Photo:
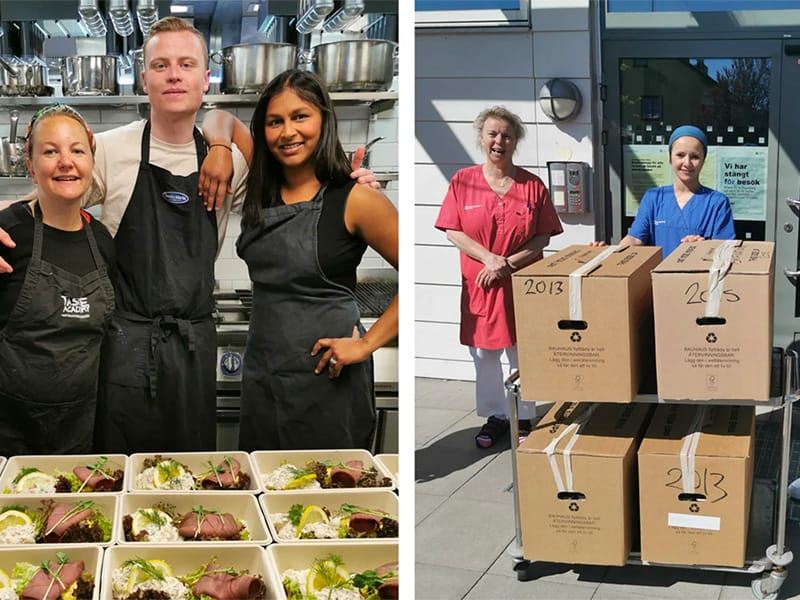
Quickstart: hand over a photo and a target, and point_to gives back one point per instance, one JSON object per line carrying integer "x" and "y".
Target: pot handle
{"x": 306, "y": 58}
{"x": 218, "y": 59}
{"x": 12, "y": 73}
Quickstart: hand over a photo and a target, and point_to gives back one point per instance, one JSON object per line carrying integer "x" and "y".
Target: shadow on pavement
{"x": 452, "y": 453}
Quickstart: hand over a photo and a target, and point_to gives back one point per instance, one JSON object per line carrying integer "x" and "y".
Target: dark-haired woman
{"x": 307, "y": 379}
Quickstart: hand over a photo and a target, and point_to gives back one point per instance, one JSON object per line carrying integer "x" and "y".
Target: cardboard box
{"x": 695, "y": 509}
{"x": 707, "y": 350}
{"x": 584, "y": 323}
{"x": 577, "y": 483}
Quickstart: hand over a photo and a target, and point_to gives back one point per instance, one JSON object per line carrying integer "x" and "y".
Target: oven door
{"x": 228, "y": 410}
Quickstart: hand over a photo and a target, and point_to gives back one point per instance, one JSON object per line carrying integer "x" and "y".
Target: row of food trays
{"x": 284, "y": 471}
{"x": 210, "y": 572}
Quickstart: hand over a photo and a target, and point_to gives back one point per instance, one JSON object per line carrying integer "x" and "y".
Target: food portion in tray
{"x": 328, "y": 579}
{"x": 312, "y": 522}
{"x": 139, "y": 579}
{"x": 162, "y": 523}
{"x": 102, "y": 475}
{"x": 54, "y": 523}
{"x": 324, "y": 475}
{"x": 57, "y": 579}
{"x": 164, "y": 473}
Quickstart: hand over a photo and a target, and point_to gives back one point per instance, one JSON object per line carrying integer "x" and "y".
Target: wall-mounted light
{"x": 179, "y": 9}
{"x": 560, "y": 99}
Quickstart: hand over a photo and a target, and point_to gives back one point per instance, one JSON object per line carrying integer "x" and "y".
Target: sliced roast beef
{"x": 364, "y": 524}
{"x": 58, "y": 523}
{"x": 211, "y": 525}
{"x": 384, "y": 569}
{"x": 37, "y": 588}
{"x": 225, "y": 475}
{"x": 222, "y": 586}
{"x": 348, "y": 475}
{"x": 94, "y": 480}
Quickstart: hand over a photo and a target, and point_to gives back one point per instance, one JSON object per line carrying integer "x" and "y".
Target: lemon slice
{"x": 35, "y": 479}
{"x": 300, "y": 482}
{"x": 139, "y": 575}
{"x": 69, "y": 593}
{"x": 10, "y": 518}
{"x": 141, "y": 519}
{"x": 312, "y": 514}
{"x": 166, "y": 471}
{"x": 5, "y": 580}
{"x": 326, "y": 575}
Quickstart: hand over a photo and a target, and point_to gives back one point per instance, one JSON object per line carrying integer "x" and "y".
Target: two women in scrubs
{"x": 685, "y": 211}
{"x": 500, "y": 217}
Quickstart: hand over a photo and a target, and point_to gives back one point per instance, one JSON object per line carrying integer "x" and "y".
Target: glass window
{"x": 728, "y": 98}
{"x": 471, "y": 13}
{"x": 699, "y": 5}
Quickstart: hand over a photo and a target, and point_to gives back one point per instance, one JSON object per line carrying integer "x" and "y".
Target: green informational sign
{"x": 739, "y": 172}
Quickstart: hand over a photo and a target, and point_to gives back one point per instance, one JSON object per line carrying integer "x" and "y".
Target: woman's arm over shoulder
{"x": 371, "y": 216}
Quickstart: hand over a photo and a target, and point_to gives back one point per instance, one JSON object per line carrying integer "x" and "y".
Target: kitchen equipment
{"x": 12, "y": 153}
{"x": 137, "y": 59}
{"x": 356, "y": 65}
{"x": 22, "y": 78}
{"x": 248, "y": 68}
{"x": 89, "y": 75}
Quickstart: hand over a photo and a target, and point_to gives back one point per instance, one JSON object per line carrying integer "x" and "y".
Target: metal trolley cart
{"x": 772, "y": 568}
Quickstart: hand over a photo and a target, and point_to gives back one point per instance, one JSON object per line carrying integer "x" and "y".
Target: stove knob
{"x": 230, "y": 363}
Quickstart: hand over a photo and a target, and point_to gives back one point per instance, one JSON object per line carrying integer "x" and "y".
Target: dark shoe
{"x": 525, "y": 429}
{"x": 492, "y": 430}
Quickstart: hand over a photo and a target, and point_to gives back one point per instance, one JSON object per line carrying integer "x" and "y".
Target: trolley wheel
{"x": 769, "y": 584}
{"x": 522, "y": 568}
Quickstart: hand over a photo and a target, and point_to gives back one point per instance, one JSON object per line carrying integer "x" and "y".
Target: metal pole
{"x": 789, "y": 364}
{"x": 512, "y": 385}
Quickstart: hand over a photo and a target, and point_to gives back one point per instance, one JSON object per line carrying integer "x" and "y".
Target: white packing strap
{"x": 723, "y": 257}
{"x": 575, "y": 306}
{"x": 551, "y": 448}
{"x": 689, "y": 450}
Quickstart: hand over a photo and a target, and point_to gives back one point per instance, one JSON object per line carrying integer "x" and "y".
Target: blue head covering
{"x": 691, "y": 131}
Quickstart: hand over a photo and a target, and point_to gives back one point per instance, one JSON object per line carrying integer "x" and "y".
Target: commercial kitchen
{"x": 87, "y": 54}
{"x": 600, "y": 87}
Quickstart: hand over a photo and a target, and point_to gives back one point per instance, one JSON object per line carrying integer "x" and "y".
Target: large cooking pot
{"x": 137, "y": 59}
{"x": 12, "y": 150}
{"x": 89, "y": 75}
{"x": 248, "y": 68}
{"x": 21, "y": 78}
{"x": 356, "y": 65}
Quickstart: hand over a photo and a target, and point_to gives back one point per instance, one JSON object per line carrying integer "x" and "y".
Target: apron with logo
{"x": 50, "y": 353}
{"x": 285, "y": 405}
{"x": 158, "y": 375}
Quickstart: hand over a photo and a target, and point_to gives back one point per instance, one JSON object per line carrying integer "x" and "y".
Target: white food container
{"x": 62, "y": 462}
{"x": 266, "y": 461}
{"x": 105, "y": 503}
{"x": 391, "y": 464}
{"x": 242, "y": 506}
{"x": 91, "y": 555}
{"x": 2, "y": 464}
{"x": 357, "y": 557}
{"x": 378, "y": 499}
{"x": 197, "y": 463}
{"x": 186, "y": 558}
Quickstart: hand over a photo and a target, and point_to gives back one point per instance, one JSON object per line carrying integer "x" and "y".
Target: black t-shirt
{"x": 339, "y": 251}
{"x": 68, "y": 250}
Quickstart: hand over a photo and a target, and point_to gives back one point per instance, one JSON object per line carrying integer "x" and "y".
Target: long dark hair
{"x": 331, "y": 164}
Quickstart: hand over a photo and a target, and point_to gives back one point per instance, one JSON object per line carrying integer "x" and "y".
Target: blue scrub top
{"x": 660, "y": 222}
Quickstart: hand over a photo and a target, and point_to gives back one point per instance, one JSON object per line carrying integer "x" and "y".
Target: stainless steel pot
{"x": 21, "y": 78}
{"x": 12, "y": 150}
{"x": 356, "y": 65}
{"x": 248, "y": 68}
{"x": 137, "y": 59}
{"x": 89, "y": 75}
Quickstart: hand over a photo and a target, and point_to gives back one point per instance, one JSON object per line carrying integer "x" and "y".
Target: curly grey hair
{"x": 500, "y": 112}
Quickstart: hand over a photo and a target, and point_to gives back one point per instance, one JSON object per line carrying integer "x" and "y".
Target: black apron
{"x": 158, "y": 374}
{"x": 285, "y": 405}
{"x": 50, "y": 354}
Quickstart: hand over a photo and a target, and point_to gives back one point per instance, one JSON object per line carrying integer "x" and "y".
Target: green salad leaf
{"x": 22, "y": 573}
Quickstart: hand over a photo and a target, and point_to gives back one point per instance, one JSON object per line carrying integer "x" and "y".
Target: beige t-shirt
{"x": 117, "y": 166}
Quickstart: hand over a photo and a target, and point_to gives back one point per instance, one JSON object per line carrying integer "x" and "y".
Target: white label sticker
{"x": 693, "y": 521}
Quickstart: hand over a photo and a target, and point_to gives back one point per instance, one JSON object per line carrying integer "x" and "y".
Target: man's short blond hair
{"x": 170, "y": 24}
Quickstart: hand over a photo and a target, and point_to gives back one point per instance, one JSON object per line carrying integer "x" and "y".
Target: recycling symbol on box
{"x": 573, "y": 506}
{"x": 575, "y": 337}
{"x": 694, "y": 508}
{"x": 711, "y": 338}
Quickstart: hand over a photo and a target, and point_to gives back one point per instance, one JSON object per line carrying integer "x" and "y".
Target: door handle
{"x": 791, "y": 274}
{"x": 793, "y": 202}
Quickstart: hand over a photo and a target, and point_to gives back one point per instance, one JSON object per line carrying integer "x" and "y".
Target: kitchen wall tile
{"x": 383, "y": 127}
{"x": 383, "y": 156}
{"x": 117, "y": 116}
{"x": 358, "y": 131}
{"x": 344, "y": 126}
{"x": 231, "y": 268}
{"x": 351, "y": 112}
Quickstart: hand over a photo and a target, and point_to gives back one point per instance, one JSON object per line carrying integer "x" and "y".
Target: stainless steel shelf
{"x": 208, "y": 100}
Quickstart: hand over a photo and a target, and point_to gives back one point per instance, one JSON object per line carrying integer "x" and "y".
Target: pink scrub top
{"x": 501, "y": 225}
